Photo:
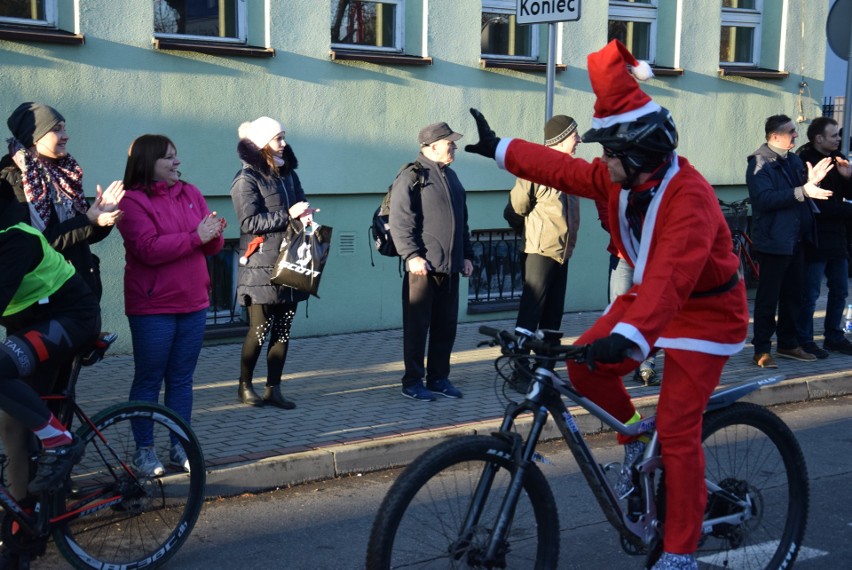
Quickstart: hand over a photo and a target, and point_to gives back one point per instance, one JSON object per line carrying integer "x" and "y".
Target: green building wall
{"x": 352, "y": 124}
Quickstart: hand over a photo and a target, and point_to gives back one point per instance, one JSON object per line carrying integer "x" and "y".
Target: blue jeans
{"x": 165, "y": 347}
{"x": 836, "y": 273}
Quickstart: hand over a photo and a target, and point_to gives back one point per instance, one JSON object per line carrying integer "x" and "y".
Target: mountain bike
{"x": 737, "y": 215}
{"x": 483, "y": 501}
{"x": 106, "y": 514}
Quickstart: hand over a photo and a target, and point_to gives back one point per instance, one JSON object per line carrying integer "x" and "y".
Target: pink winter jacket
{"x": 165, "y": 268}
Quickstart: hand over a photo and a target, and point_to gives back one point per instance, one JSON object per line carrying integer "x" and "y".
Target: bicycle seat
{"x": 99, "y": 349}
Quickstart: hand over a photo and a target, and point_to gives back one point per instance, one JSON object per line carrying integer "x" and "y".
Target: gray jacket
{"x": 430, "y": 220}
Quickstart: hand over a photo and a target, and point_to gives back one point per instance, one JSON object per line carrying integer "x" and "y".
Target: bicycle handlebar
{"x": 512, "y": 342}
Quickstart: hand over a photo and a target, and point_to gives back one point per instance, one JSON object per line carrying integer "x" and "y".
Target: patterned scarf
{"x": 46, "y": 182}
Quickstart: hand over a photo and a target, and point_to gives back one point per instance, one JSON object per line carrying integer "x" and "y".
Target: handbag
{"x": 302, "y": 256}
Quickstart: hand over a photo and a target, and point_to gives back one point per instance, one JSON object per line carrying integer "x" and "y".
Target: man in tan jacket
{"x": 552, "y": 219}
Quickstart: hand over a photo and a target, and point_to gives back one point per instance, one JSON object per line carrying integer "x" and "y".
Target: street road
{"x": 325, "y": 525}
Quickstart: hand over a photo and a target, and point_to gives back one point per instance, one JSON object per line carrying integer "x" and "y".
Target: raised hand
{"x": 110, "y": 197}
{"x": 488, "y": 140}
{"x": 817, "y": 172}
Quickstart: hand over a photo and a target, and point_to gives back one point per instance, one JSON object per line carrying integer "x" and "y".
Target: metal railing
{"x": 224, "y": 311}
{"x": 497, "y": 280}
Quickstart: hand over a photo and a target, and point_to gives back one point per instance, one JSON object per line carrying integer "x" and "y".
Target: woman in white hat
{"x": 267, "y": 194}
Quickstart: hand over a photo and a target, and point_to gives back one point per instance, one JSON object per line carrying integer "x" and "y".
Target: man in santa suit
{"x": 686, "y": 297}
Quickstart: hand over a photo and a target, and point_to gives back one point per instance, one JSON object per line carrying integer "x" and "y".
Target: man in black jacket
{"x": 781, "y": 187}
{"x": 828, "y": 258}
{"x": 428, "y": 223}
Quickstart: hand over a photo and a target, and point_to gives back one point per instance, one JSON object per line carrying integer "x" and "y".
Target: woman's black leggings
{"x": 270, "y": 322}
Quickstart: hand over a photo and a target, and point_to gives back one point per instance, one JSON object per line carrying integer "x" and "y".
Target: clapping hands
{"x": 211, "y": 227}
{"x": 104, "y": 210}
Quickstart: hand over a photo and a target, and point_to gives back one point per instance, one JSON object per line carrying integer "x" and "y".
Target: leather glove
{"x": 610, "y": 349}
{"x": 487, "y": 145}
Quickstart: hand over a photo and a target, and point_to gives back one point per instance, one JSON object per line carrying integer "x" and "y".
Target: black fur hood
{"x": 250, "y": 154}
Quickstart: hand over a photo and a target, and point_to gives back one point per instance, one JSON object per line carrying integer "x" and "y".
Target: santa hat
{"x": 613, "y": 72}
{"x": 260, "y": 131}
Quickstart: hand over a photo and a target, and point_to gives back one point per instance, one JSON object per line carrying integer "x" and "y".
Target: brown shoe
{"x": 796, "y": 354}
{"x": 764, "y": 360}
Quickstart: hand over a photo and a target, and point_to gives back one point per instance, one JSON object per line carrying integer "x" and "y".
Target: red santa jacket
{"x": 688, "y": 255}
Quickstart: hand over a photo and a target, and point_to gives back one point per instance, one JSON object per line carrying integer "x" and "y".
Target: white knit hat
{"x": 260, "y": 131}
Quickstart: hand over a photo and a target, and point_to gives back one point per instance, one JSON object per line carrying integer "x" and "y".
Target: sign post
{"x": 548, "y": 12}
{"x": 839, "y": 34}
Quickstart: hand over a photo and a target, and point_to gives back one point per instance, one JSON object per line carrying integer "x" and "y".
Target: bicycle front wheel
{"x": 421, "y": 522}
{"x": 112, "y": 515}
{"x": 751, "y": 454}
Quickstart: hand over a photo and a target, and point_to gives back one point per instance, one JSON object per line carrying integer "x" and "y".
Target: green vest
{"x": 44, "y": 280}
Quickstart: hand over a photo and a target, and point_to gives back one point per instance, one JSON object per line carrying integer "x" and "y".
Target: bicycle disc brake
{"x": 719, "y": 507}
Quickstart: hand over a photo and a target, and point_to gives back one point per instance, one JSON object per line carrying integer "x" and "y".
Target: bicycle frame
{"x": 639, "y": 528}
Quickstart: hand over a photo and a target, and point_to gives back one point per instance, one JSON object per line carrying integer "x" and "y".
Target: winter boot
{"x": 247, "y": 395}
{"x": 272, "y": 396}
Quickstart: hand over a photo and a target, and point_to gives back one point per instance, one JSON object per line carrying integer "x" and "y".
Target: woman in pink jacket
{"x": 168, "y": 230}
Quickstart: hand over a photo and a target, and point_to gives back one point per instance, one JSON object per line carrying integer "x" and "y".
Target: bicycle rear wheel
{"x": 752, "y": 454}
{"x": 420, "y": 522}
{"x": 114, "y": 516}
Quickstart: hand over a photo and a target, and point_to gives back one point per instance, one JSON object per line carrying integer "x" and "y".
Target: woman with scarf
{"x": 267, "y": 194}
{"x": 47, "y": 183}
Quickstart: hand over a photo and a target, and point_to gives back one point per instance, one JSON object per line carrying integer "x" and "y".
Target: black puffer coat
{"x": 262, "y": 199}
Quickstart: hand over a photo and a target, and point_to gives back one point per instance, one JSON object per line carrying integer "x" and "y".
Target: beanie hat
{"x": 31, "y": 121}
{"x": 558, "y": 128}
{"x": 260, "y": 131}
{"x": 613, "y": 72}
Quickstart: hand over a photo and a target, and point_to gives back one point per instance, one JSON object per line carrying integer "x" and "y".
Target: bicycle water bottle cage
{"x": 99, "y": 349}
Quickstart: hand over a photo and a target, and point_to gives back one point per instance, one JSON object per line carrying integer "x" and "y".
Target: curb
{"x": 399, "y": 450}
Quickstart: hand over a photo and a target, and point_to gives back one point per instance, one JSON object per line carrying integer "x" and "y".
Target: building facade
{"x": 354, "y": 81}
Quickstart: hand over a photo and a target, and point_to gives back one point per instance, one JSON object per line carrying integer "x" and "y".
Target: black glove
{"x": 610, "y": 349}
{"x": 488, "y": 141}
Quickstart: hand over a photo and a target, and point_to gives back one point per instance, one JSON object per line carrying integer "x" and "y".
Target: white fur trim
{"x": 641, "y": 71}
{"x": 500, "y": 152}
{"x": 700, "y": 345}
{"x": 604, "y": 122}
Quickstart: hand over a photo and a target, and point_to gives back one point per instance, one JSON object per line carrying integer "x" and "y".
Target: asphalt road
{"x": 325, "y": 525}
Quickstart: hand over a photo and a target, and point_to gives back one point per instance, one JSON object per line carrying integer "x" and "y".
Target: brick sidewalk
{"x": 347, "y": 388}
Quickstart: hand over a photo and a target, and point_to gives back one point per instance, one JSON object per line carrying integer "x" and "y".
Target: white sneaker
{"x": 177, "y": 457}
{"x": 146, "y": 463}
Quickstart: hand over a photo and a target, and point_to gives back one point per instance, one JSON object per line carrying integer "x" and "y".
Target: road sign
{"x": 838, "y": 28}
{"x": 547, "y": 11}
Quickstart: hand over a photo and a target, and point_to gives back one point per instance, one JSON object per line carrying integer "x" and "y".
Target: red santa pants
{"x": 689, "y": 379}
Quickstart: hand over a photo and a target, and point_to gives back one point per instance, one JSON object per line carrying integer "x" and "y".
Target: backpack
{"x": 516, "y": 221}
{"x": 379, "y": 231}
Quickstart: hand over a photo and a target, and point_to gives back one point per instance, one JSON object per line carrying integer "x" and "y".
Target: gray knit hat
{"x": 31, "y": 121}
{"x": 558, "y": 128}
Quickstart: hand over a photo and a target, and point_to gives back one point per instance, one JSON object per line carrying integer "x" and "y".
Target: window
{"x": 502, "y": 37}
{"x": 29, "y": 12}
{"x": 205, "y": 20}
{"x": 634, "y": 23}
{"x": 740, "y": 39}
{"x": 367, "y": 25}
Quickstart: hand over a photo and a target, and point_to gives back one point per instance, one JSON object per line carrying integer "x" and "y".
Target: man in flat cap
{"x": 551, "y": 223}
{"x": 428, "y": 222}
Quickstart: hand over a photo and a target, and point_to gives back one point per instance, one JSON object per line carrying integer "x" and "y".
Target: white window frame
{"x": 51, "y": 17}
{"x": 645, "y": 13}
{"x": 398, "y": 36}
{"x": 241, "y": 29}
{"x": 510, "y": 7}
{"x": 745, "y": 18}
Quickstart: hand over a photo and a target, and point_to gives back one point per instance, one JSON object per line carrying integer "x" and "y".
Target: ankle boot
{"x": 247, "y": 395}
{"x": 272, "y": 396}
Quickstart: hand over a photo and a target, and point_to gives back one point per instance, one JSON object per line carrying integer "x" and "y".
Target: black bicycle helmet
{"x": 651, "y": 134}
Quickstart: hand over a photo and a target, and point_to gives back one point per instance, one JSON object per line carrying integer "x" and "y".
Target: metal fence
{"x": 497, "y": 280}
{"x": 224, "y": 313}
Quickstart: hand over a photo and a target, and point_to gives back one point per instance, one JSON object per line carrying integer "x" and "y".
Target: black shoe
{"x": 843, "y": 346}
{"x": 272, "y": 396}
{"x": 54, "y": 465}
{"x": 812, "y": 348}
{"x": 247, "y": 395}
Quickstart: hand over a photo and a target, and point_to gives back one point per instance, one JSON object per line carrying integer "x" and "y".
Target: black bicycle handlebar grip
{"x": 489, "y": 331}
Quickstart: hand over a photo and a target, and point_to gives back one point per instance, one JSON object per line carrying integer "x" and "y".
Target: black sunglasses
{"x": 609, "y": 153}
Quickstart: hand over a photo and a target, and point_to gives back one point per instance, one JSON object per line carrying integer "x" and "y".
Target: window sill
{"x": 381, "y": 58}
{"x": 667, "y": 71}
{"x": 212, "y": 48}
{"x": 752, "y": 72}
{"x": 50, "y": 36}
{"x": 530, "y": 66}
